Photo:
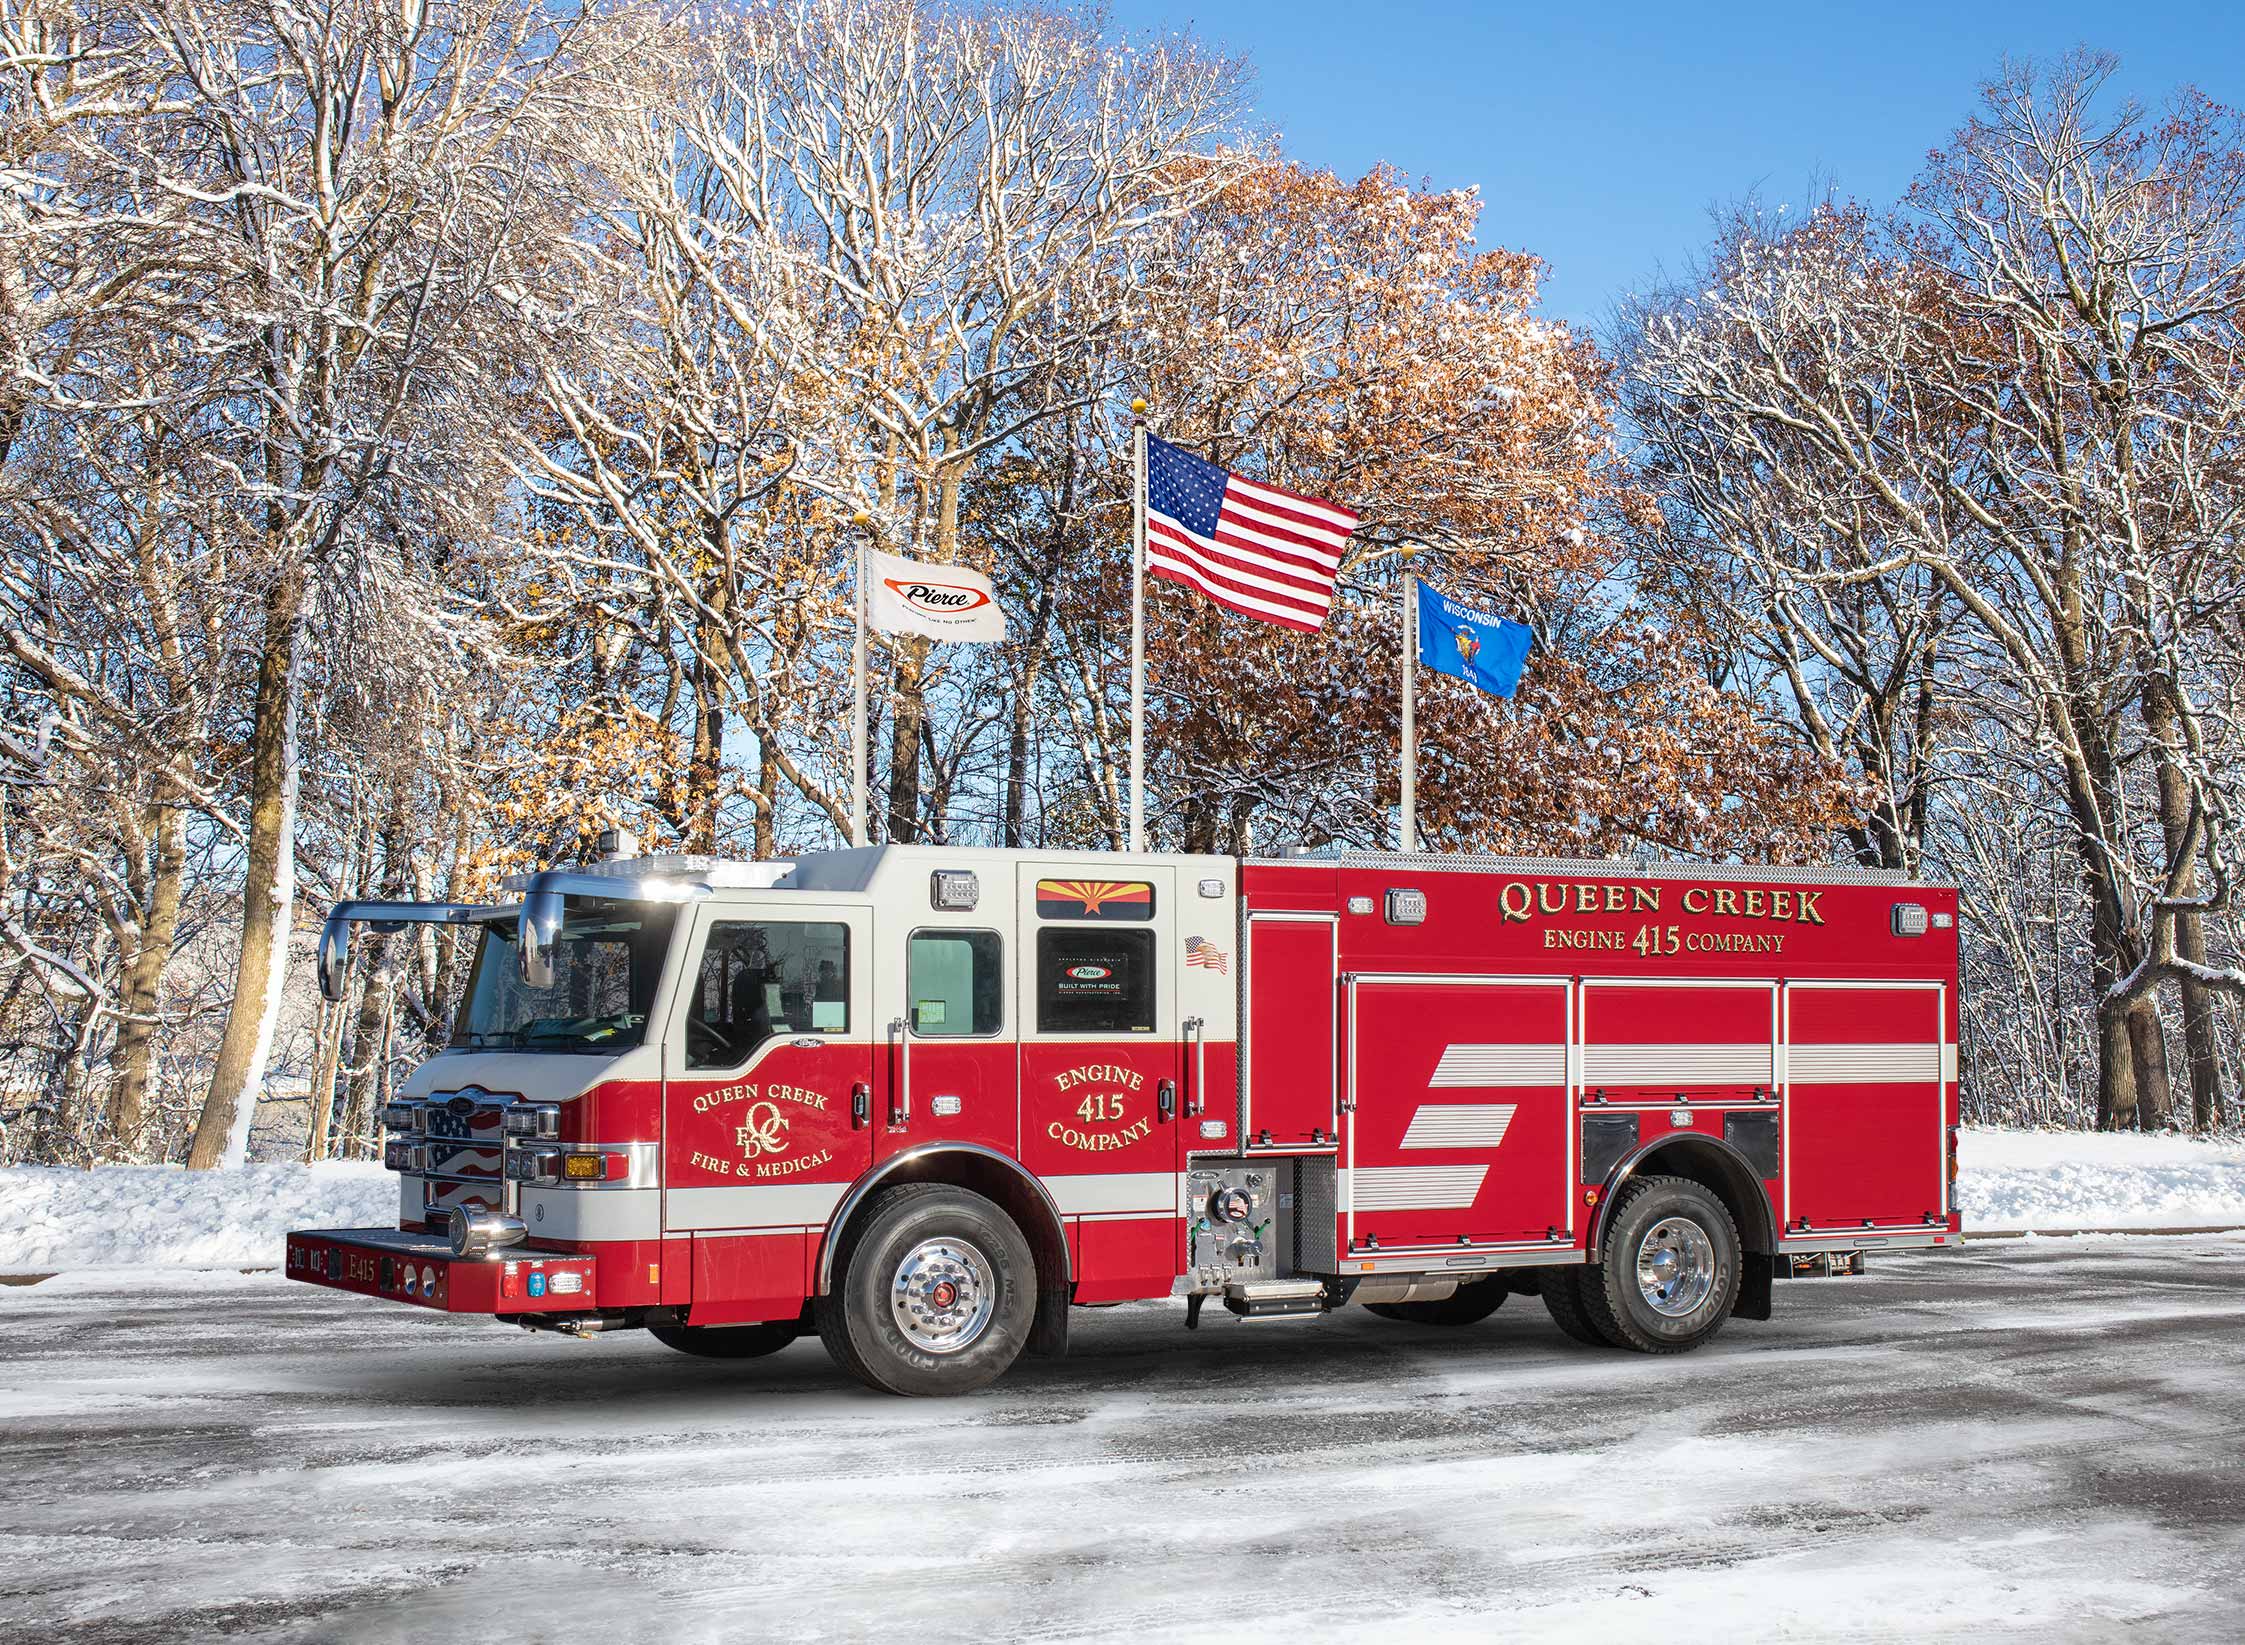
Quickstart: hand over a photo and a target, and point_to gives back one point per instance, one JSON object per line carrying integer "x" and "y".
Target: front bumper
{"x": 416, "y": 1268}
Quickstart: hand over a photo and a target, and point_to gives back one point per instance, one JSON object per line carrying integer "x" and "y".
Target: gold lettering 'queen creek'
{"x": 1523, "y": 900}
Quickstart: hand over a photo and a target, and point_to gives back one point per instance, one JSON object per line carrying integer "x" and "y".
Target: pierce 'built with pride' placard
{"x": 923, "y": 1100}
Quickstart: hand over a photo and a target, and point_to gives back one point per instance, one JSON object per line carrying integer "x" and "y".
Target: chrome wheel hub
{"x": 1675, "y": 1266}
{"x": 943, "y": 1295}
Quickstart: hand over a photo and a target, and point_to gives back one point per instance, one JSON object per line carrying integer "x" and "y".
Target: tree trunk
{"x": 2116, "y": 1079}
{"x": 767, "y": 800}
{"x": 135, "y": 1053}
{"x": 2199, "y": 1041}
{"x": 366, "y": 1034}
{"x": 908, "y": 708}
{"x": 2147, "y": 1045}
{"x": 326, "y": 1055}
{"x": 705, "y": 769}
{"x": 268, "y": 891}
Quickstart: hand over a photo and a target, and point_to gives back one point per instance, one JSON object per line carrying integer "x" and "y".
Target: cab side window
{"x": 758, "y": 980}
{"x": 956, "y": 982}
{"x": 1092, "y": 981}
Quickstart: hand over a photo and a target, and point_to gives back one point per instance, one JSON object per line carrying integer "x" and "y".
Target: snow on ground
{"x": 119, "y": 1216}
{"x": 135, "y": 1215}
{"x": 2090, "y": 1179}
{"x": 2016, "y": 1443}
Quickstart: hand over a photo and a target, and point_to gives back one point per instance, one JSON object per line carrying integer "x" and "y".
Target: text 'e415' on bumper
{"x": 415, "y": 1268}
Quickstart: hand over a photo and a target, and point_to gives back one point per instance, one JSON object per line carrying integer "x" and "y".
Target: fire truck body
{"x": 922, "y": 1099}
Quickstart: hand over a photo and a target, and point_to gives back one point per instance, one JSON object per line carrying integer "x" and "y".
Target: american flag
{"x": 1251, "y": 548}
{"x": 1200, "y": 951}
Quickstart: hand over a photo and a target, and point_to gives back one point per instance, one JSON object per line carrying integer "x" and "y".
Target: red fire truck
{"x": 923, "y": 1100}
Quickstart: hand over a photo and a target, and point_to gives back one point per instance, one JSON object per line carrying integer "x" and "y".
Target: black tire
{"x": 1562, "y": 1290}
{"x": 1468, "y": 1305}
{"x": 1663, "y": 1215}
{"x": 727, "y": 1341}
{"x": 953, "y": 1237}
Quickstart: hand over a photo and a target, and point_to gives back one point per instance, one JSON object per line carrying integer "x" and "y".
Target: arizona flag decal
{"x": 1094, "y": 900}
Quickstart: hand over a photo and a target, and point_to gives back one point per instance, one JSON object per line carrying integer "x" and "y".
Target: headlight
{"x": 402, "y": 1156}
{"x": 534, "y": 1119}
{"x": 533, "y": 1164}
{"x": 402, "y": 1116}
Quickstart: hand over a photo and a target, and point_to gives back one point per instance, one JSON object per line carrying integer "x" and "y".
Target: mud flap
{"x": 1048, "y": 1332}
{"x": 1756, "y": 1269}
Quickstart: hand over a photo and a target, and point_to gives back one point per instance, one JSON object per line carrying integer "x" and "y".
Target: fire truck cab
{"x": 922, "y": 1100}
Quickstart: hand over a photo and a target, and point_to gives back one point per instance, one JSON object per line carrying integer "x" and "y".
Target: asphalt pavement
{"x": 2031, "y": 1440}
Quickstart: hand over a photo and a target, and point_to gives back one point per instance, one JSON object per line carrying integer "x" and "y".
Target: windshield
{"x": 607, "y": 958}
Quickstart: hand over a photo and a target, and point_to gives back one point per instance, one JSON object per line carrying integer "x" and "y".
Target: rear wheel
{"x": 1671, "y": 1268}
{"x": 1468, "y": 1305}
{"x": 727, "y": 1341}
{"x": 934, "y": 1293}
{"x": 1562, "y": 1290}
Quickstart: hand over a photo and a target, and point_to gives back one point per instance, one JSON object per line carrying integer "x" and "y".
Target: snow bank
{"x": 129, "y": 1215}
{"x": 2089, "y": 1179}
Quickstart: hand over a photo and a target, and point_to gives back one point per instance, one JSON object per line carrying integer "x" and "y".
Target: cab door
{"x": 768, "y": 1062}
{"x": 1101, "y": 1067}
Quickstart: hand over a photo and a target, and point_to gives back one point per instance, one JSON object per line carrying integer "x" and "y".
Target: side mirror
{"x": 535, "y": 934}
{"x": 334, "y": 957}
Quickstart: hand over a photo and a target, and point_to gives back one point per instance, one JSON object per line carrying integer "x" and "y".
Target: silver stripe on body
{"x": 1501, "y": 1065}
{"x": 1863, "y": 1064}
{"x": 1412, "y": 1187}
{"x": 1677, "y": 1065}
{"x": 773, "y": 1205}
{"x": 576, "y": 1213}
{"x": 1104, "y": 1193}
{"x": 1459, "y": 1124}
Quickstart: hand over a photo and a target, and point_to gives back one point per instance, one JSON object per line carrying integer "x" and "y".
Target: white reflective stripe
{"x": 1949, "y": 1064}
{"x": 1126, "y": 1216}
{"x": 1864, "y": 1064}
{"x": 768, "y": 1206}
{"x": 1501, "y": 1065}
{"x": 1677, "y": 1064}
{"x": 1150, "y": 1193}
{"x": 1411, "y": 1187}
{"x": 1459, "y": 1124}
{"x": 582, "y": 1213}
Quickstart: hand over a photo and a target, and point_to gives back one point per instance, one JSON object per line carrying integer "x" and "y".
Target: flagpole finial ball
{"x": 1138, "y": 408}
{"x": 861, "y": 518}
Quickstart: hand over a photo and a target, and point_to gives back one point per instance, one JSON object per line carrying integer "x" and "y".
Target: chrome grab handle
{"x": 900, "y": 1102}
{"x": 1196, "y": 1094}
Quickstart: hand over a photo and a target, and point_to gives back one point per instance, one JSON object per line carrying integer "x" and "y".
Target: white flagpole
{"x": 1410, "y": 713}
{"x": 1138, "y": 625}
{"x": 864, "y": 523}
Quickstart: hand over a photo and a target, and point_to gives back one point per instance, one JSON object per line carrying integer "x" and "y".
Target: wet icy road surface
{"x": 2018, "y": 1441}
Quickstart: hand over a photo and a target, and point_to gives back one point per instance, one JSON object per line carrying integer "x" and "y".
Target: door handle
{"x": 1165, "y": 1098}
{"x": 861, "y": 1104}
{"x": 900, "y": 1101}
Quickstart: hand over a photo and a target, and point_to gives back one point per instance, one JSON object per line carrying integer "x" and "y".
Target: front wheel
{"x": 935, "y": 1292}
{"x": 1669, "y": 1268}
{"x": 727, "y": 1341}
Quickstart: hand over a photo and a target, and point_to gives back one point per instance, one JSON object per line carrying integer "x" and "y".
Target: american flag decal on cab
{"x": 1200, "y": 951}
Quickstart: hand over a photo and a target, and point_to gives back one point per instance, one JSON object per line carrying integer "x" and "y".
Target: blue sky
{"x": 1599, "y": 136}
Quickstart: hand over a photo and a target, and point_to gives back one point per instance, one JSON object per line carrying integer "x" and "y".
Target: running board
{"x": 1275, "y": 1298}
